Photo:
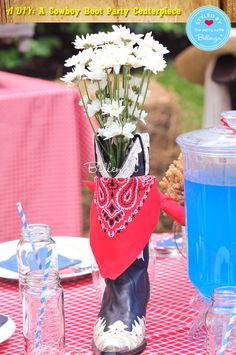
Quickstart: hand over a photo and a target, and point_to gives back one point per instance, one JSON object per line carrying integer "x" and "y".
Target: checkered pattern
{"x": 168, "y": 317}
{"x": 46, "y": 139}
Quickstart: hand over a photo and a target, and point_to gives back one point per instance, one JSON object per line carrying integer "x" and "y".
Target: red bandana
{"x": 124, "y": 213}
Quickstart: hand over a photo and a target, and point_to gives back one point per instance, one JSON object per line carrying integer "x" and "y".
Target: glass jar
{"x": 43, "y": 314}
{"x": 220, "y": 322}
{"x": 34, "y": 250}
{"x": 198, "y": 333}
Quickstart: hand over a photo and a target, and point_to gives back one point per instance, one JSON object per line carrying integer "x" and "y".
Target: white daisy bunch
{"x": 103, "y": 68}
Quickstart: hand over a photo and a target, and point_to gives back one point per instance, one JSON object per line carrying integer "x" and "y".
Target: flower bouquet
{"x": 103, "y": 69}
{"x": 126, "y": 203}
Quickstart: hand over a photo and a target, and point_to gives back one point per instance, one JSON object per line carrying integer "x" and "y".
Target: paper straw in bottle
{"x": 26, "y": 227}
{"x": 225, "y": 341}
{"x": 44, "y": 288}
{"x": 45, "y": 276}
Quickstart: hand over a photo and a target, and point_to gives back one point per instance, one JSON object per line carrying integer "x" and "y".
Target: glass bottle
{"x": 43, "y": 314}
{"x": 34, "y": 250}
{"x": 221, "y": 323}
{"x": 198, "y": 333}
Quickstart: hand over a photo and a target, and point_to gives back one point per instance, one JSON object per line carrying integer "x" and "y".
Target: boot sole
{"x": 136, "y": 351}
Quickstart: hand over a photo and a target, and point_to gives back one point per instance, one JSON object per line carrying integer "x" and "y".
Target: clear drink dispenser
{"x": 210, "y": 204}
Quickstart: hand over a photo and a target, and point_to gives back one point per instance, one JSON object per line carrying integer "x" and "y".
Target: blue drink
{"x": 211, "y": 230}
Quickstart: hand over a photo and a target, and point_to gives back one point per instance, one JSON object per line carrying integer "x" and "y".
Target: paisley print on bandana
{"x": 119, "y": 200}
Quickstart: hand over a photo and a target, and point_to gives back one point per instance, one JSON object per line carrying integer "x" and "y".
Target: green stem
{"x": 109, "y": 85}
{"x": 126, "y": 89}
{"x": 127, "y": 93}
{"x": 100, "y": 92}
{"x": 86, "y": 89}
{"x": 86, "y": 111}
{"x": 118, "y": 86}
{"x": 146, "y": 90}
{"x": 139, "y": 92}
{"x": 111, "y": 154}
{"x": 114, "y": 85}
{"x": 121, "y": 154}
{"x": 117, "y": 153}
{"x": 99, "y": 120}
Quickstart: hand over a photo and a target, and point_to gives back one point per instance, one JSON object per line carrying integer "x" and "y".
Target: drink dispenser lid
{"x": 219, "y": 140}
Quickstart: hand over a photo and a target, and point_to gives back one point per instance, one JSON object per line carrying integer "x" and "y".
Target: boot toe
{"x": 117, "y": 338}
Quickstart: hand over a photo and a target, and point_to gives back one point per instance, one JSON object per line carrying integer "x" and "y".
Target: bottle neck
{"x": 36, "y": 280}
{"x": 225, "y": 296}
{"x": 36, "y": 232}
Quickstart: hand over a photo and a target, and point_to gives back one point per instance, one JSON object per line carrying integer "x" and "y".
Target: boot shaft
{"x": 135, "y": 164}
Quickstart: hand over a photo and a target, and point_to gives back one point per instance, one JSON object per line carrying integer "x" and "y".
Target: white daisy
{"x": 133, "y": 112}
{"x": 101, "y": 62}
{"x": 71, "y": 77}
{"x": 94, "y": 107}
{"x": 149, "y": 42}
{"x": 135, "y": 82}
{"x": 70, "y": 62}
{"x": 133, "y": 61}
{"x": 110, "y": 56}
{"x": 128, "y": 130}
{"x": 113, "y": 109}
{"x": 90, "y": 40}
{"x": 115, "y": 129}
{"x": 134, "y": 97}
{"x": 111, "y": 130}
{"x": 95, "y": 74}
{"x": 118, "y": 56}
{"x": 82, "y": 58}
{"x": 155, "y": 64}
{"x": 125, "y": 34}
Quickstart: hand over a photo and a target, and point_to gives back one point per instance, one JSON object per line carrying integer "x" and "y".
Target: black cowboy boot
{"x": 120, "y": 327}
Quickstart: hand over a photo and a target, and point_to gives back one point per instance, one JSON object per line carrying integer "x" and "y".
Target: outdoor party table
{"x": 45, "y": 140}
{"x": 169, "y": 315}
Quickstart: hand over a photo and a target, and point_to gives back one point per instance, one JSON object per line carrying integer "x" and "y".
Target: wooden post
{"x": 3, "y": 18}
{"x": 229, "y": 6}
{"x": 186, "y": 8}
{"x": 5, "y": 4}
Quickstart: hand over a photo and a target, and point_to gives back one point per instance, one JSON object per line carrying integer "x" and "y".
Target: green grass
{"x": 189, "y": 97}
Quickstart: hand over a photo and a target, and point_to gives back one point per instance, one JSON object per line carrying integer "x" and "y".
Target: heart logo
{"x": 209, "y": 22}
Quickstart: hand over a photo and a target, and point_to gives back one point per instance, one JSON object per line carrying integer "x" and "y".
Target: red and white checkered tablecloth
{"x": 169, "y": 315}
{"x": 45, "y": 141}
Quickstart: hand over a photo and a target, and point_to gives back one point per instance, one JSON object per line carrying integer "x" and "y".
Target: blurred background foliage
{"x": 55, "y": 40}
{"x": 52, "y": 44}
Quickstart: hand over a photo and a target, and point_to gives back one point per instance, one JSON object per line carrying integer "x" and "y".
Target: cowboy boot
{"x": 120, "y": 326}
